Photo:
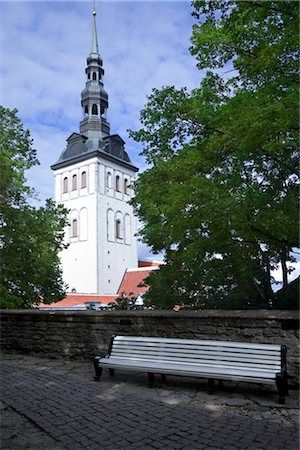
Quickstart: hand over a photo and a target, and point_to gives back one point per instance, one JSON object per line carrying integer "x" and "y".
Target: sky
{"x": 44, "y": 46}
{"x": 43, "y": 51}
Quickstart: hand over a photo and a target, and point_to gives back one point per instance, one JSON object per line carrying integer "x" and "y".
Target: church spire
{"x": 94, "y": 99}
{"x": 94, "y": 47}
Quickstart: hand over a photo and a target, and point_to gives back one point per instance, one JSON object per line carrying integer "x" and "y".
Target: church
{"x": 93, "y": 180}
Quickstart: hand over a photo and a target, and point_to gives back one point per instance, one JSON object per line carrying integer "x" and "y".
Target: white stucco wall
{"x": 95, "y": 260}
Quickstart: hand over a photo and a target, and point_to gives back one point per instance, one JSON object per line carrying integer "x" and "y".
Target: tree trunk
{"x": 284, "y": 269}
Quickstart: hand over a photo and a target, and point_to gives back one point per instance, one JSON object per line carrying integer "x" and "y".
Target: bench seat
{"x": 223, "y": 360}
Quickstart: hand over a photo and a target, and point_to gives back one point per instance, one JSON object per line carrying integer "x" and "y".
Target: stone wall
{"x": 84, "y": 334}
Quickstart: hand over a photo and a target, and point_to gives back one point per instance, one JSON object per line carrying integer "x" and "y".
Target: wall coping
{"x": 212, "y": 313}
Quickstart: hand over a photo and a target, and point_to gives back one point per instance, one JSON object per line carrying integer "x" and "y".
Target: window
{"x": 118, "y": 183}
{"x": 94, "y": 76}
{"x": 74, "y": 228}
{"x": 83, "y": 180}
{"x": 86, "y": 109}
{"x": 89, "y": 76}
{"x": 74, "y": 182}
{"x": 95, "y": 110}
{"x": 126, "y": 186}
{"x": 65, "y": 185}
{"x": 118, "y": 229}
{"x": 108, "y": 180}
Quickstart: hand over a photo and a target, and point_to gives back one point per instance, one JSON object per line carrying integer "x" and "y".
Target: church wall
{"x": 79, "y": 260}
{"x": 96, "y": 260}
{"x": 115, "y": 254}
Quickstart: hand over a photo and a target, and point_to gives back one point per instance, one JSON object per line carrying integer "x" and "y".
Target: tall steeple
{"x": 92, "y": 180}
{"x": 94, "y": 99}
{"x": 94, "y": 47}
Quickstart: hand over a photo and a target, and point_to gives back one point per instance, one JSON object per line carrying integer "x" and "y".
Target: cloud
{"x": 44, "y": 46}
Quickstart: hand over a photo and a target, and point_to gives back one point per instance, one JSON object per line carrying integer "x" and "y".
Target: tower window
{"x": 83, "y": 180}
{"x": 126, "y": 186}
{"x": 108, "y": 180}
{"x": 65, "y": 185}
{"x": 118, "y": 229}
{"x": 89, "y": 76}
{"x": 74, "y": 228}
{"x": 74, "y": 182}
{"x": 86, "y": 109}
{"x": 94, "y": 76}
{"x": 118, "y": 183}
{"x": 95, "y": 109}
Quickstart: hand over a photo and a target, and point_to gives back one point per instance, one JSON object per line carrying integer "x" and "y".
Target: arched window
{"x": 86, "y": 109}
{"x": 89, "y": 76}
{"x": 126, "y": 191}
{"x": 118, "y": 183}
{"x": 110, "y": 225}
{"x": 95, "y": 110}
{"x": 108, "y": 180}
{"x": 74, "y": 182}
{"x": 74, "y": 228}
{"x": 118, "y": 229}
{"x": 94, "y": 76}
{"x": 65, "y": 185}
{"x": 83, "y": 180}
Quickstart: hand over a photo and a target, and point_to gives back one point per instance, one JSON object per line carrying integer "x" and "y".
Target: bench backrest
{"x": 241, "y": 354}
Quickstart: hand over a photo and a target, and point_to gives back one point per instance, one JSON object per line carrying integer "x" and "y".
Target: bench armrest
{"x": 98, "y": 357}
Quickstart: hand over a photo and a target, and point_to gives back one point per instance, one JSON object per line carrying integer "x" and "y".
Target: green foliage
{"x": 125, "y": 302}
{"x": 30, "y": 238}
{"x": 221, "y": 196}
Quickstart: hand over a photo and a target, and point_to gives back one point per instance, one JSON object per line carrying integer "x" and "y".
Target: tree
{"x": 125, "y": 302}
{"x": 30, "y": 238}
{"x": 220, "y": 197}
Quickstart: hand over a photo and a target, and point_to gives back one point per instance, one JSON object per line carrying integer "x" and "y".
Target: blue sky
{"x": 44, "y": 45}
{"x": 43, "y": 50}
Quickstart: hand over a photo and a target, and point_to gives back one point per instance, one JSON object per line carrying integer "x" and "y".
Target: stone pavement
{"x": 56, "y": 405}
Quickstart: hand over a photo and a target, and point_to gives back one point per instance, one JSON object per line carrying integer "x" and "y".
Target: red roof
{"x": 78, "y": 299}
{"x": 133, "y": 278}
{"x": 130, "y": 284}
{"x": 149, "y": 263}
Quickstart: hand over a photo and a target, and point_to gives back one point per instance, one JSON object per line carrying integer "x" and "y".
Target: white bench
{"x": 222, "y": 360}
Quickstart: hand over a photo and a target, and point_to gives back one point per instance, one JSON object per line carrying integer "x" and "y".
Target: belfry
{"x": 93, "y": 179}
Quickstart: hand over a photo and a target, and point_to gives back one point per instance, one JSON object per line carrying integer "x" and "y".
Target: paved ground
{"x": 56, "y": 405}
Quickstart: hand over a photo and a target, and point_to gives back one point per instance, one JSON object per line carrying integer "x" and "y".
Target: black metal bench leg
{"x": 98, "y": 370}
{"x": 282, "y": 387}
{"x": 151, "y": 379}
{"x": 211, "y": 386}
{"x": 111, "y": 372}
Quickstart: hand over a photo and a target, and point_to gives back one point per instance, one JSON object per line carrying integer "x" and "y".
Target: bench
{"x": 222, "y": 360}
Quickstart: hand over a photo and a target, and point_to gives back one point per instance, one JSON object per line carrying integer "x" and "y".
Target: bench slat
{"x": 198, "y": 342}
{"x": 246, "y": 352}
{"x": 259, "y": 364}
{"x": 191, "y": 352}
{"x": 192, "y": 370}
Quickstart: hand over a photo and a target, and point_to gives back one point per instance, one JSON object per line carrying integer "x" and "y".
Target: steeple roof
{"x": 94, "y": 138}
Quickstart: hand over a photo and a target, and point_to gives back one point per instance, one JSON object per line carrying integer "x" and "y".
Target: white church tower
{"x": 93, "y": 179}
